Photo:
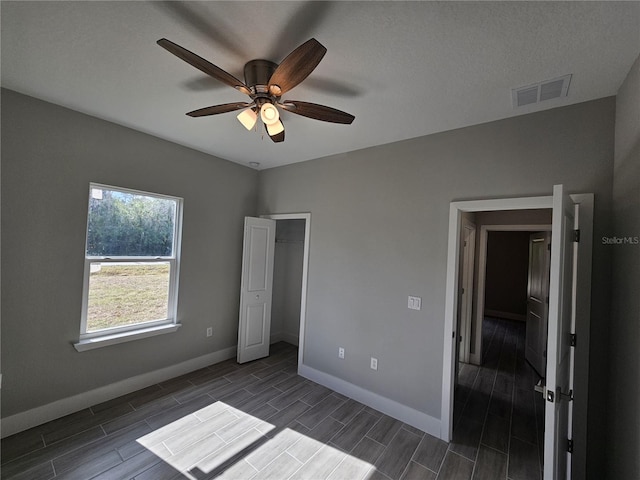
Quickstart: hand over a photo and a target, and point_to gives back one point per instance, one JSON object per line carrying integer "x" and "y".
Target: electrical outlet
{"x": 414, "y": 303}
{"x": 340, "y": 352}
{"x": 209, "y": 331}
{"x": 374, "y": 363}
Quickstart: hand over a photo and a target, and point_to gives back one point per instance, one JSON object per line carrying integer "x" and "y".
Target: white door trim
{"x": 583, "y": 322}
{"x": 466, "y": 310}
{"x": 305, "y": 272}
{"x": 583, "y": 312}
{"x": 482, "y": 273}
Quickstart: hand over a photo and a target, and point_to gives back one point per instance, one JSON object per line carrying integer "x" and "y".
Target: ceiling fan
{"x": 266, "y": 82}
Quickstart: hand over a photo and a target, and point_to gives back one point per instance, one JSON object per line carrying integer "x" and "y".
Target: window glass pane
{"x": 122, "y": 294}
{"x": 129, "y": 224}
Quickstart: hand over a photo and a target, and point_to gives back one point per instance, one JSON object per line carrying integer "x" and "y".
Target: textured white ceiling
{"x": 404, "y": 69}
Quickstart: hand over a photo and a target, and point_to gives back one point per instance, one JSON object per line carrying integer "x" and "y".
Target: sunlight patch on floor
{"x": 222, "y": 440}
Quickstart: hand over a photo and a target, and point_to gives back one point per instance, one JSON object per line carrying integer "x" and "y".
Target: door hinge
{"x": 576, "y": 236}
{"x": 570, "y": 445}
{"x": 566, "y": 396}
{"x": 572, "y": 339}
{"x": 460, "y": 338}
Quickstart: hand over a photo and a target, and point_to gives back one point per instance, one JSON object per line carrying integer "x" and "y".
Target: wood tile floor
{"x": 498, "y": 417}
{"x": 262, "y": 421}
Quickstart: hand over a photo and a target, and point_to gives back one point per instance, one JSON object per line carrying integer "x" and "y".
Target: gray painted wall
{"x": 49, "y": 156}
{"x": 624, "y": 380}
{"x": 379, "y": 233}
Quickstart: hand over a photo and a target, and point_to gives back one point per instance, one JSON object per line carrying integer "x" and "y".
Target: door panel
{"x": 258, "y": 258}
{"x": 255, "y": 325}
{"x": 256, "y": 288}
{"x": 557, "y": 461}
{"x": 537, "y": 307}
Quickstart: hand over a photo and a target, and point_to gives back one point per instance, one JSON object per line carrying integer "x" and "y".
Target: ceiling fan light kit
{"x": 275, "y": 128}
{"x": 269, "y": 114}
{"x": 248, "y": 118}
{"x": 265, "y": 83}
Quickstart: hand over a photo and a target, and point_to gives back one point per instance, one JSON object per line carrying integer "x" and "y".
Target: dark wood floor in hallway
{"x": 498, "y": 417}
{"x": 262, "y": 421}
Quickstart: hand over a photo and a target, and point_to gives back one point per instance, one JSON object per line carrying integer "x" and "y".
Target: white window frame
{"x": 110, "y": 336}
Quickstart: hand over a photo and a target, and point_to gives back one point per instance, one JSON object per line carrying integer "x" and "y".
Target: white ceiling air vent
{"x": 541, "y": 91}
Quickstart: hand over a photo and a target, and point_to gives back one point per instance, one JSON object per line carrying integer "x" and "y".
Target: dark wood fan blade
{"x": 279, "y": 137}
{"x": 317, "y": 112}
{"x": 296, "y": 67}
{"x": 216, "y": 109}
{"x": 203, "y": 65}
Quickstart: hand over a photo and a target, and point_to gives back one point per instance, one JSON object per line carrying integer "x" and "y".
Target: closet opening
{"x": 290, "y": 267}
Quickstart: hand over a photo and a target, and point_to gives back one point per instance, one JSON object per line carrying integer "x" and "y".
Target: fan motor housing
{"x": 258, "y": 73}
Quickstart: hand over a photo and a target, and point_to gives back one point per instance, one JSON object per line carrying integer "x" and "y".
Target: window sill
{"x": 106, "y": 340}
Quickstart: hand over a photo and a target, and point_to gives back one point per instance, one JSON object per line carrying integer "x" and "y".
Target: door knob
{"x": 542, "y": 389}
{"x": 550, "y": 395}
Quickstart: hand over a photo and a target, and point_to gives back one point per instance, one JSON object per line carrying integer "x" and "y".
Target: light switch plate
{"x": 414, "y": 303}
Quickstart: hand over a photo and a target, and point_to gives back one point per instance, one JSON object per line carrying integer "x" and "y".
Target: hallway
{"x": 498, "y": 417}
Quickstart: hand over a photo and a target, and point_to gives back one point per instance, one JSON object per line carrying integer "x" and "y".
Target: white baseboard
{"x": 275, "y": 337}
{"x": 508, "y": 315}
{"x": 39, "y": 415}
{"x": 284, "y": 337}
{"x": 387, "y": 406}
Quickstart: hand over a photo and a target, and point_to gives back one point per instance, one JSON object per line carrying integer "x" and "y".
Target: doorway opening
{"x": 291, "y": 264}
{"x": 495, "y": 406}
{"x": 503, "y": 297}
{"x": 561, "y": 265}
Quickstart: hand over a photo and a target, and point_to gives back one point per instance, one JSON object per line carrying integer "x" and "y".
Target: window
{"x": 131, "y": 264}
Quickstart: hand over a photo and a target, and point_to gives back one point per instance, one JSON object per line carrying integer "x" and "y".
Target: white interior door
{"x": 537, "y": 307}
{"x": 256, "y": 288}
{"x": 558, "y": 393}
